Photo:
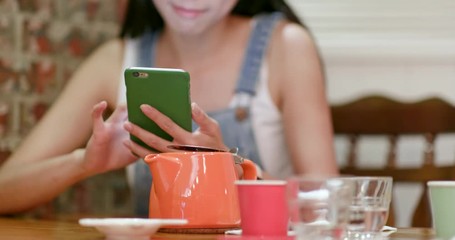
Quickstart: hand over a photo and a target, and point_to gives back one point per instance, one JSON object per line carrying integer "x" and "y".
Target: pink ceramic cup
{"x": 263, "y": 207}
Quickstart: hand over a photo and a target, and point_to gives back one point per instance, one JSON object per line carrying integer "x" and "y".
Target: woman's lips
{"x": 187, "y": 12}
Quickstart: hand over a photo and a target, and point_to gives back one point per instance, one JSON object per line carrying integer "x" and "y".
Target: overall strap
{"x": 146, "y": 51}
{"x": 254, "y": 54}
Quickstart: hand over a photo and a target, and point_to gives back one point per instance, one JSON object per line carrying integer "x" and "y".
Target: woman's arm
{"x": 47, "y": 161}
{"x": 297, "y": 86}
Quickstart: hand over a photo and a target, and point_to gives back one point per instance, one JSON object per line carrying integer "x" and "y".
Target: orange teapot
{"x": 197, "y": 186}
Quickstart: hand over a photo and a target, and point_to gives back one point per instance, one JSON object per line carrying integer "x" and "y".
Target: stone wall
{"x": 41, "y": 43}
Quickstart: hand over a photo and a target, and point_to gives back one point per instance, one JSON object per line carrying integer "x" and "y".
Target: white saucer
{"x": 129, "y": 228}
{"x": 291, "y": 233}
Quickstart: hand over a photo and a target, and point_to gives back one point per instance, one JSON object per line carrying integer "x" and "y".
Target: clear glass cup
{"x": 319, "y": 207}
{"x": 369, "y": 209}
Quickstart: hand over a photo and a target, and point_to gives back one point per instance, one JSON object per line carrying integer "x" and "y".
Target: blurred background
{"x": 400, "y": 48}
{"x": 41, "y": 43}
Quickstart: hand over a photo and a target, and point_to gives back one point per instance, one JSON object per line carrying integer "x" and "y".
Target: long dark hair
{"x": 142, "y": 15}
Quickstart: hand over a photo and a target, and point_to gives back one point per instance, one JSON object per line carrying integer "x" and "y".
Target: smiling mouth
{"x": 187, "y": 12}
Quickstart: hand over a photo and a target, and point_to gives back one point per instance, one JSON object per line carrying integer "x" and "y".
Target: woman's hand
{"x": 105, "y": 150}
{"x": 208, "y": 134}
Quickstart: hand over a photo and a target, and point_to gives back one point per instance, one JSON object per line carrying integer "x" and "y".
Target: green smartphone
{"x": 166, "y": 89}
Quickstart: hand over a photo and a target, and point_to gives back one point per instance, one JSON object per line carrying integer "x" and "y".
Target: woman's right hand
{"x": 105, "y": 150}
{"x": 208, "y": 134}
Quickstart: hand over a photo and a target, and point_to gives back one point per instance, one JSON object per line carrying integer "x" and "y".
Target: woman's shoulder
{"x": 294, "y": 55}
{"x": 110, "y": 49}
{"x": 291, "y": 44}
{"x": 290, "y": 36}
{"x": 103, "y": 65}
{"x": 107, "y": 57}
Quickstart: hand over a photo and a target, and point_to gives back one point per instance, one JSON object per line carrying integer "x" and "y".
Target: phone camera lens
{"x": 135, "y": 74}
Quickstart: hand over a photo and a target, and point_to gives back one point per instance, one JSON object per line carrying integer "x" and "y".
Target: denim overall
{"x": 235, "y": 123}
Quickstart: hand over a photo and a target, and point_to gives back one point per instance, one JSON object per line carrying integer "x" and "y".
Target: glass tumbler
{"x": 369, "y": 208}
{"x": 319, "y": 207}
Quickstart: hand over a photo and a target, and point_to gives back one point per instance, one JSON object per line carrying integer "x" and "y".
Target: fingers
{"x": 97, "y": 116}
{"x": 152, "y": 140}
{"x": 209, "y": 133}
{"x": 119, "y": 114}
{"x": 165, "y": 123}
{"x": 148, "y": 138}
{"x": 136, "y": 149}
{"x": 206, "y": 124}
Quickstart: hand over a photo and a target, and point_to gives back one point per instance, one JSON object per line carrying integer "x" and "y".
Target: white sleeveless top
{"x": 266, "y": 119}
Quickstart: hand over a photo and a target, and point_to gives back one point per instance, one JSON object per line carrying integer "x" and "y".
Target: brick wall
{"x": 41, "y": 43}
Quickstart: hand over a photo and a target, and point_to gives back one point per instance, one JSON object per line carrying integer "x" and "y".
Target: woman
{"x": 257, "y": 74}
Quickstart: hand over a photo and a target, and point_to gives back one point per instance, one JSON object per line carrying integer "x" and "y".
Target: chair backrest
{"x": 379, "y": 115}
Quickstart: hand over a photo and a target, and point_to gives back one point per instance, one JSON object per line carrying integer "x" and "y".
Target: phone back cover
{"x": 167, "y": 90}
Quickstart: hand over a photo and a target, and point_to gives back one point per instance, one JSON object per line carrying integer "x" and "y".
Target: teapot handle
{"x": 249, "y": 170}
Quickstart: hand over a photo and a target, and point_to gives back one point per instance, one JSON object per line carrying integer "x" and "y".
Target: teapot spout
{"x": 164, "y": 169}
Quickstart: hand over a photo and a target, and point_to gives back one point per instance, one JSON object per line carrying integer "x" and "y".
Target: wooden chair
{"x": 378, "y": 115}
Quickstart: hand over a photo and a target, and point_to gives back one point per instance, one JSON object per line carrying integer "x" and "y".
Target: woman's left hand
{"x": 104, "y": 150}
{"x": 208, "y": 134}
